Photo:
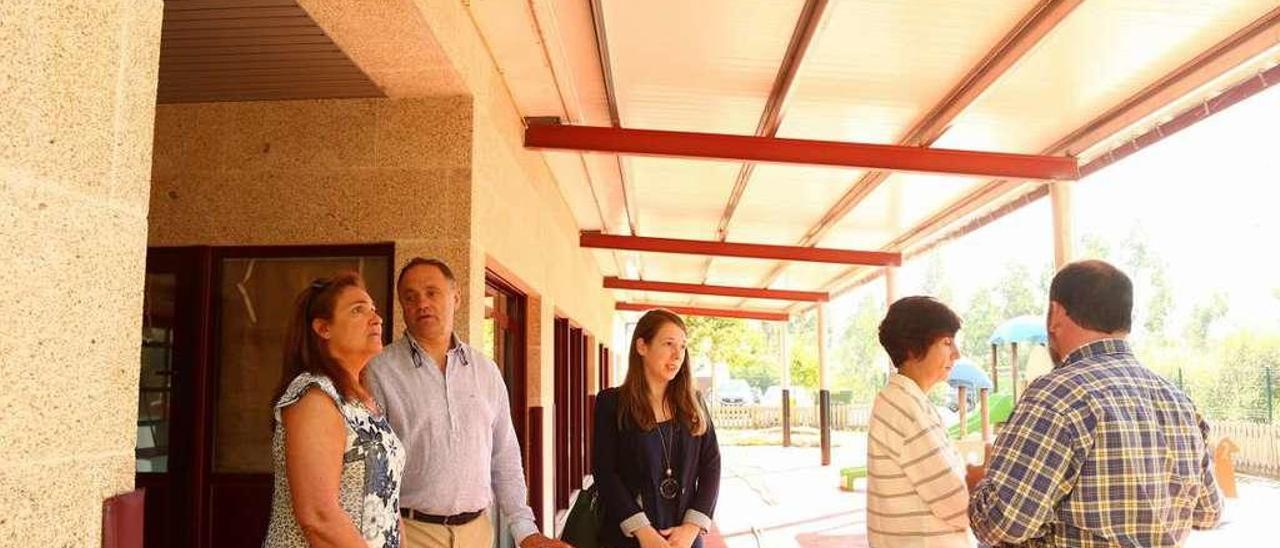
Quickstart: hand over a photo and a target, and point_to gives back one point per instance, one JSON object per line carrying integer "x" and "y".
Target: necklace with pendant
{"x": 669, "y": 487}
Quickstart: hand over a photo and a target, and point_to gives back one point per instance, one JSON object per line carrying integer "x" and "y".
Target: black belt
{"x": 456, "y": 519}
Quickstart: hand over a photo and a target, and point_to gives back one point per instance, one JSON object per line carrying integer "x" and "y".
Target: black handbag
{"x": 586, "y": 518}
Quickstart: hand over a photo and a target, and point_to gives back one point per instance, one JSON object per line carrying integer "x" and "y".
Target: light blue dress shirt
{"x": 457, "y": 432}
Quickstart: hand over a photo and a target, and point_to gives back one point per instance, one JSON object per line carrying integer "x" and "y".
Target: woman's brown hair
{"x": 633, "y": 397}
{"x": 304, "y": 349}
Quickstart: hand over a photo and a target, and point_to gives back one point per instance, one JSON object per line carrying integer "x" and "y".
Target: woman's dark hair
{"x": 913, "y": 324}
{"x": 1095, "y": 295}
{"x": 633, "y": 396}
{"x": 304, "y": 349}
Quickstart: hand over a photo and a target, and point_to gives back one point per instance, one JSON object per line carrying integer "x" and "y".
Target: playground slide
{"x": 1000, "y": 406}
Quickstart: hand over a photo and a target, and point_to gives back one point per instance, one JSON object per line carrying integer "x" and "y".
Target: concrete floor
{"x": 778, "y": 497}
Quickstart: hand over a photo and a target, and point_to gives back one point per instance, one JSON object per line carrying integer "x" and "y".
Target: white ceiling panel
{"x": 782, "y": 203}
{"x": 679, "y": 198}
{"x": 877, "y": 67}
{"x": 1103, "y": 53}
{"x": 702, "y": 66}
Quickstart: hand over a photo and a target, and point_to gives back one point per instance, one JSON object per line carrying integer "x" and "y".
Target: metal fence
{"x": 1243, "y": 410}
{"x": 1238, "y": 396}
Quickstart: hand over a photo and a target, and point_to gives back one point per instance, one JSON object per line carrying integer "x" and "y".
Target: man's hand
{"x": 682, "y": 536}
{"x": 972, "y": 475}
{"x": 538, "y": 541}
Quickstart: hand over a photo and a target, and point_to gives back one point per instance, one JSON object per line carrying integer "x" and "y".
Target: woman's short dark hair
{"x": 1095, "y": 295}
{"x": 913, "y": 324}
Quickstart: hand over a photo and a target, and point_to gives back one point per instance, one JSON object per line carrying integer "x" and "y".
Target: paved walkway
{"x": 783, "y": 498}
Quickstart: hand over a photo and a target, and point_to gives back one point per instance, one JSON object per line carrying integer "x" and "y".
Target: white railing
{"x": 1258, "y": 444}
{"x": 755, "y": 417}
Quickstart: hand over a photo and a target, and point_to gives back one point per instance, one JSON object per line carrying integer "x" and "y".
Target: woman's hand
{"x": 683, "y": 536}
{"x": 649, "y": 538}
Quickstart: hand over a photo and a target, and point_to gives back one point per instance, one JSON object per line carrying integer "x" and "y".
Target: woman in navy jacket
{"x": 655, "y": 459}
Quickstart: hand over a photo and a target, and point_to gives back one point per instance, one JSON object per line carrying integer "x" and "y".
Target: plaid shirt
{"x": 1099, "y": 452}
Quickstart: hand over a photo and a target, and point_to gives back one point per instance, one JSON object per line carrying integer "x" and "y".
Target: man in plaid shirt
{"x": 1101, "y": 451}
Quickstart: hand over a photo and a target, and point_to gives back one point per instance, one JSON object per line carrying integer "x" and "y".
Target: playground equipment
{"x": 967, "y": 378}
{"x": 999, "y": 408}
{"x": 1020, "y": 329}
{"x": 848, "y": 477}
{"x": 1224, "y": 470}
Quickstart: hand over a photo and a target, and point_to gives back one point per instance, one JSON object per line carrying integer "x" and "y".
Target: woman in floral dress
{"x": 338, "y": 465}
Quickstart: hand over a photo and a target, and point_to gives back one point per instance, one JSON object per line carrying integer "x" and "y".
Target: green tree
{"x": 740, "y": 344}
{"x": 804, "y": 350}
{"x": 1159, "y": 305}
{"x": 858, "y": 351}
{"x": 1093, "y": 246}
{"x": 935, "y": 279}
{"x": 1137, "y": 256}
{"x": 1203, "y": 316}
{"x": 1046, "y": 280}
{"x": 1153, "y": 298}
{"x": 980, "y": 320}
{"x": 1016, "y": 294}
{"x": 1233, "y": 388}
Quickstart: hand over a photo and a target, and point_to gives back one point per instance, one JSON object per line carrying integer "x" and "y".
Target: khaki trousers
{"x": 477, "y": 534}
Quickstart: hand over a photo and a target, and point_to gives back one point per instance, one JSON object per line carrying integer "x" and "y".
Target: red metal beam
{"x": 751, "y": 251}
{"x": 1159, "y": 132}
{"x": 710, "y": 312}
{"x": 1030, "y": 30}
{"x": 725, "y": 291}
{"x": 1243, "y": 44}
{"x": 800, "y": 151}
{"x": 1033, "y": 27}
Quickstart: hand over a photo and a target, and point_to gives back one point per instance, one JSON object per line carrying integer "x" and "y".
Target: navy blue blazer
{"x": 626, "y": 466}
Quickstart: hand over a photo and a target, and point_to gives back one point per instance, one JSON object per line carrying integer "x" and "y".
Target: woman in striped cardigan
{"x": 917, "y": 492}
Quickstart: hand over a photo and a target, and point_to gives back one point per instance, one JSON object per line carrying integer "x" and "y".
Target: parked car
{"x": 735, "y": 392}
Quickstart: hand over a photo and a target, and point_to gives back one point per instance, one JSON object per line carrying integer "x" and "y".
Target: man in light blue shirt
{"x": 448, "y": 404}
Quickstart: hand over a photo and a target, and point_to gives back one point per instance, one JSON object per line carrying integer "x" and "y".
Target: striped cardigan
{"x": 916, "y": 495}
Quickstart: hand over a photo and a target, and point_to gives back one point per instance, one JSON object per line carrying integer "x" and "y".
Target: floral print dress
{"x": 372, "y": 467}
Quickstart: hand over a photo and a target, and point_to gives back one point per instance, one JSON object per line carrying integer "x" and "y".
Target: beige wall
{"x": 520, "y": 221}
{"x": 317, "y": 172}
{"x": 432, "y": 175}
{"x": 78, "y": 83}
{"x": 539, "y": 240}
{"x": 505, "y": 208}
